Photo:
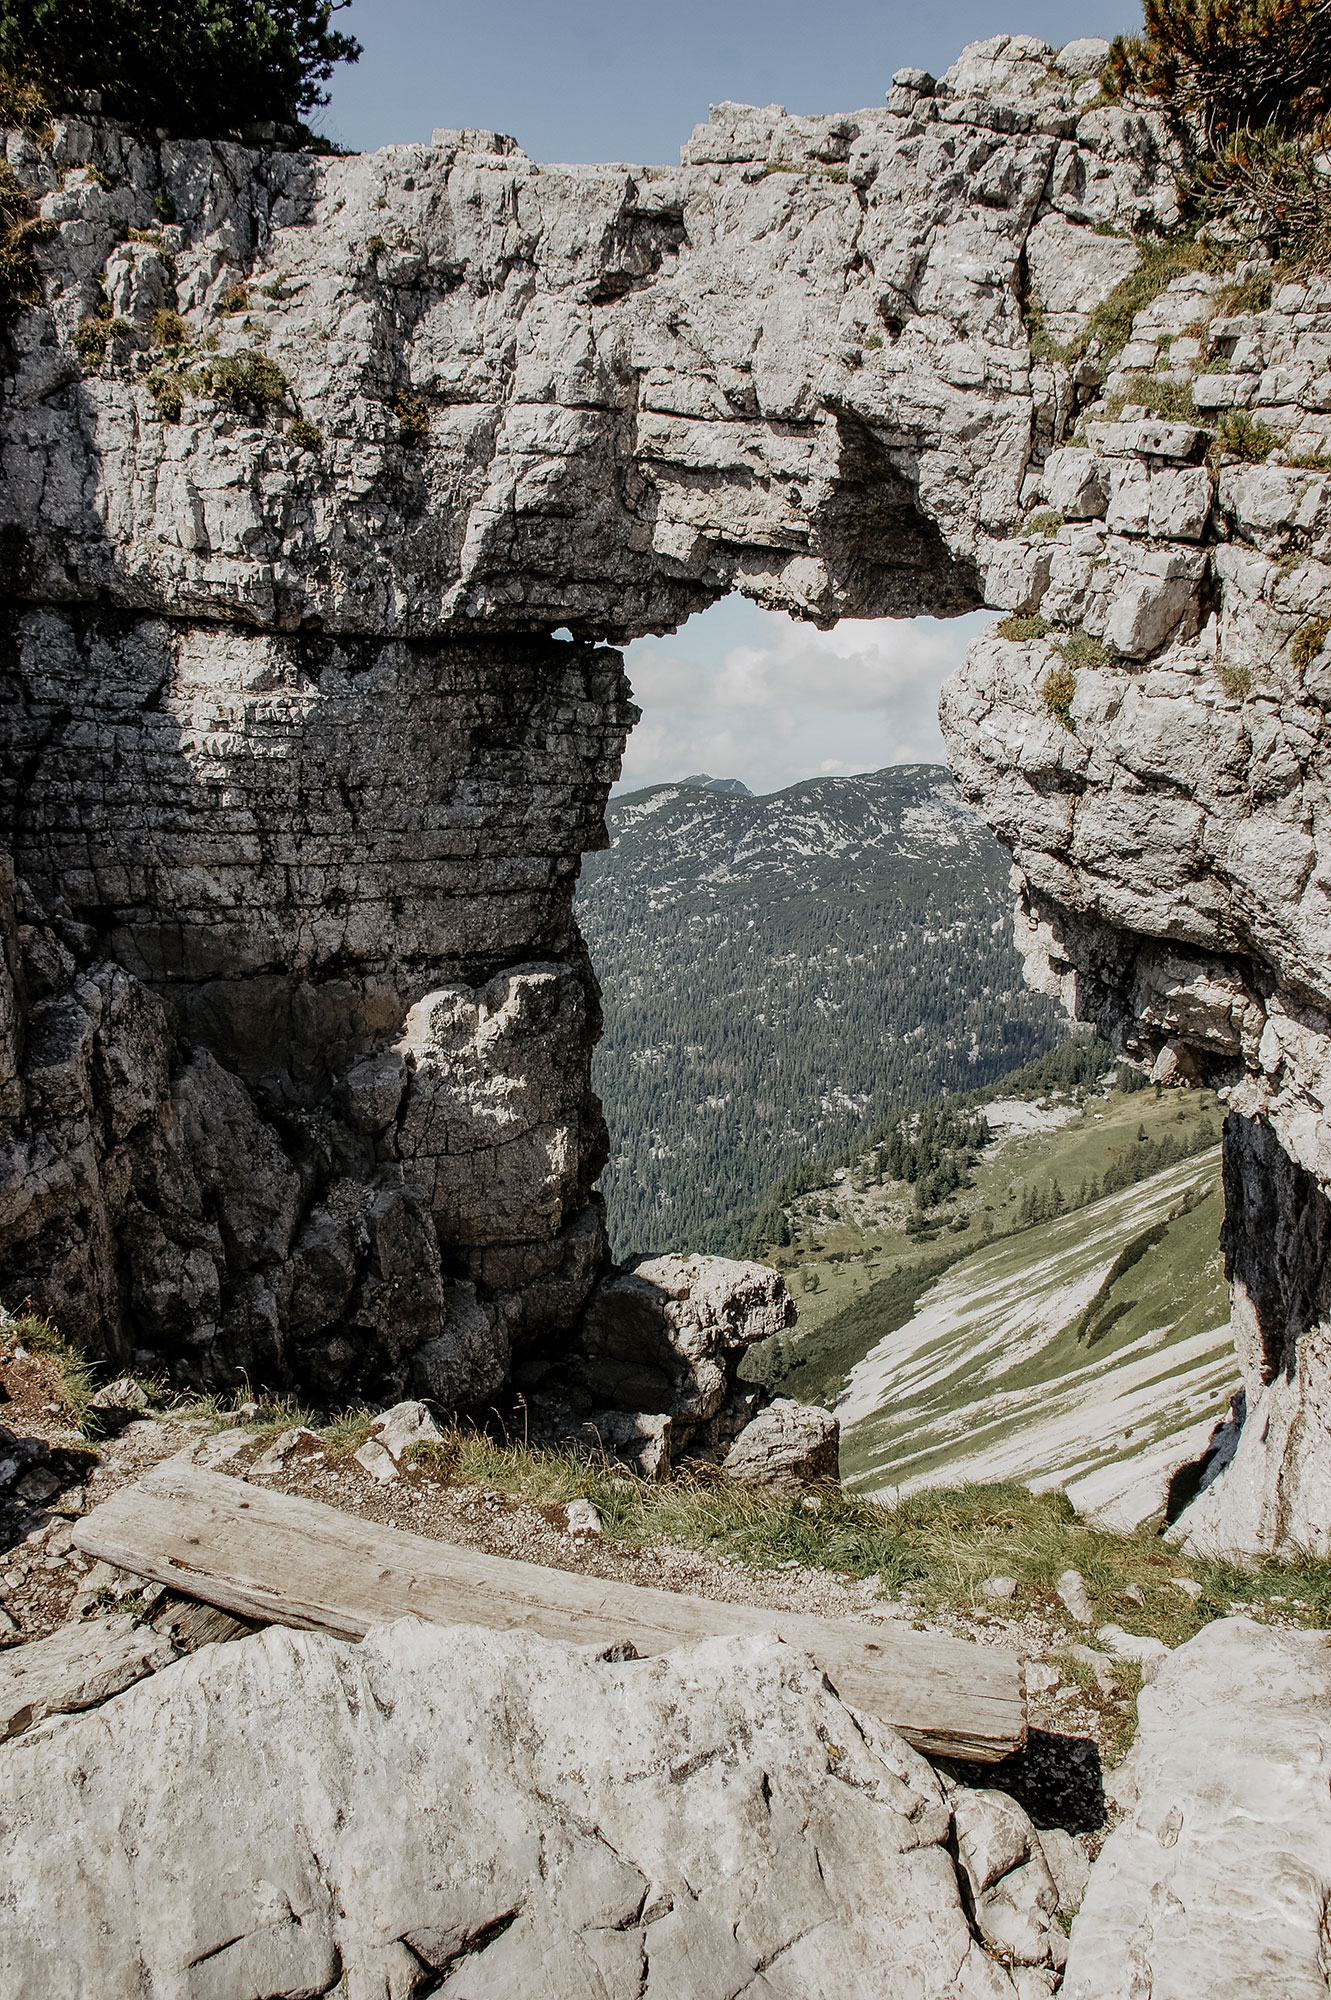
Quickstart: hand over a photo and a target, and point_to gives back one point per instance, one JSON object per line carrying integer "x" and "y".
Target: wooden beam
{"x": 274, "y": 1556}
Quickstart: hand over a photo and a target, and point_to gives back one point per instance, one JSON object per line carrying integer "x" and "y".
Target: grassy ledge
{"x": 934, "y": 1548}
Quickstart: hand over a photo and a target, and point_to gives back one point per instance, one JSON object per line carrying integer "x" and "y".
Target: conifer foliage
{"x": 1227, "y": 66}
{"x": 195, "y": 68}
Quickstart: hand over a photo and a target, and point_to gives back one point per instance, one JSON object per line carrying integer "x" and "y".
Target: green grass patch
{"x": 167, "y": 389}
{"x": 940, "y": 1544}
{"x": 1242, "y": 436}
{"x": 1023, "y": 626}
{"x": 76, "y": 1377}
{"x": 1248, "y": 295}
{"x": 169, "y": 329}
{"x": 1111, "y": 321}
{"x": 1161, "y": 395}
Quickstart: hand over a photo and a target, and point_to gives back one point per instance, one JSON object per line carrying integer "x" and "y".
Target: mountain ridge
{"x": 781, "y": 971}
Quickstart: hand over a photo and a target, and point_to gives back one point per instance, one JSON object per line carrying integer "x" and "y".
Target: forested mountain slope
{"x": 781, "y": 972}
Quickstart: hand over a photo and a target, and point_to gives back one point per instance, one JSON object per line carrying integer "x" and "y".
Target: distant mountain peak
{"x": 705, "y": 784}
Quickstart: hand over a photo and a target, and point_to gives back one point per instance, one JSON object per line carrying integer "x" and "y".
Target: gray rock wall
{"x": 1168, "y": 825}
{"x": 297, "y": 1025}
{"x": 297, "y": 777}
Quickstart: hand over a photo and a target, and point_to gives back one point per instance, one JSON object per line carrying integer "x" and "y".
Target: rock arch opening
{"x": 798, "y": 925}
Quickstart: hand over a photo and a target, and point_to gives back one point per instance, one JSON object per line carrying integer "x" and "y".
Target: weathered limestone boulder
{"x": 787, "y": 1444}
{"x": 664, "y": 1337}
{"x": 1013, "y": 1893}
{"x": 1217, "y": 1879}
{"x": 394, "y": 1432}
{"x": 292, "y": 1815}
{"x": 79, "y": 1666}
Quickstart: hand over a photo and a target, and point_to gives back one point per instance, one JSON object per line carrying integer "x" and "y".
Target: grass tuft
{"x": 168, "y": 393}
{"x": 1242, "y": 436}
{"x": 76, "y": 1379}
{"x": 1160, "y": 395}
{"x": 169, "y": 329}
{"x": 413, "y": 419}
{"x": 1079, "y": 649}
{"x": 1023, "y": 626}
{"x": 1251, "y": 295}
{"x": 245, "y": 379}
{"x": 1058, "y": 688}
{"x": 1047, "y": 523}
{"x": 1309, "y": 641}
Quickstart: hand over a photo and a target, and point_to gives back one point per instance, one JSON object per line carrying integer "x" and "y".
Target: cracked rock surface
{"x": 1216, "y": 1881}
{"x": 290, "y": 1815}
{"x": 1168, "y": 821}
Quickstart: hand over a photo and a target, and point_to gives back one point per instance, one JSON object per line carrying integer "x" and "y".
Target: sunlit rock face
{"x": 296, "y": 1023}
{"x": 1166, "y": 805}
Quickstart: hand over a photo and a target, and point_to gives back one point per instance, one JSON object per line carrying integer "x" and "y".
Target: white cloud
{"x": 751, "y": 694}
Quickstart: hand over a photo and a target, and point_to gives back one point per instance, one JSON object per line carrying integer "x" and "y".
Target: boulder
{"x": 636, "y": 1438}
{"x": 1076, "y": 1599}
{"x": 392, "y": 1433}
{"x": 1147, "y": 1653}
{"x": 292, "y": 1813}
{"x": 1014, "y": 1895}
{"x": 666, "y": 1334}
{"x": 787, "y": 1444}
{"x": 1217, "y": 1879}
{"x": 79, "y": 1666}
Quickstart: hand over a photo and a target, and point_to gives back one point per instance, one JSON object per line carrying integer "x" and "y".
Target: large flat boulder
{"x": 469, "y": 1812}
{"x": 1218, "y": 1880}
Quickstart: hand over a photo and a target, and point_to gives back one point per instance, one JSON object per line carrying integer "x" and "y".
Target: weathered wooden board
{"x": 298, "y": 1562}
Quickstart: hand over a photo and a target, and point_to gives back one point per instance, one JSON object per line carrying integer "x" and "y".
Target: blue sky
{"x": 628, "y": 80}
{"x": 738, "y": 692}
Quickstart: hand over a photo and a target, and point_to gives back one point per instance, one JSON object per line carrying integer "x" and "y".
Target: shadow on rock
{"x": 1058, "y": 1780}
{"x": 33, "y": 1474}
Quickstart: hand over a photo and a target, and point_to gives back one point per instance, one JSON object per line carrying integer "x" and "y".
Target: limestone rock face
{"x": 1216, "y": 1881}
{"x": 296, "y": 1029}
{"x": 794, "y": 365}
{"x": 705, "y": 1822}
{"x": 666, "y": 1334}
{"x": 1167, "y": 823}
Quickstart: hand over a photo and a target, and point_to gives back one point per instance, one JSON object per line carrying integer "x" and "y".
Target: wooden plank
{"x": 298, "y": 1562}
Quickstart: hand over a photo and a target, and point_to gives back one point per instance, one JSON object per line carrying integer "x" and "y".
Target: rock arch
{"x": 296, "y": 1023}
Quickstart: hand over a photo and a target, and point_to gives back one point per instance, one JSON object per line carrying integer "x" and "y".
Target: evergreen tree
{"x": 200, "y": 68}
